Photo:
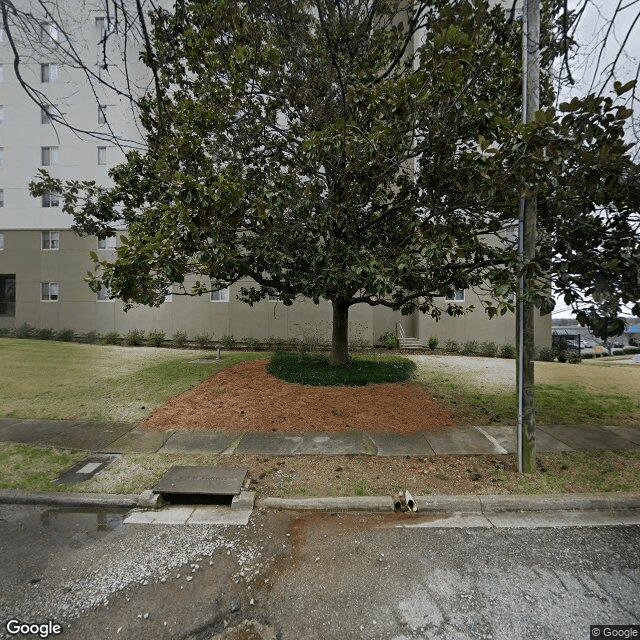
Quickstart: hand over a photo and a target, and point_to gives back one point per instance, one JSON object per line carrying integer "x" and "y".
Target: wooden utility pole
{"x": 527, "y": 247}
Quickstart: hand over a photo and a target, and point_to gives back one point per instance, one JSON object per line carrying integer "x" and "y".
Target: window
{"x": 49, "y": 31}
{"x": 50, "y": 240}
{"x": 1, "y": 197}
{"x": 7, "y": 294}
{"x": 103, "y": 294}
{"x": 48, "y": 113}
{"x": 107, "y": 243}
{"x": 458, "y": 296}
{"x": 49, "y": 73}
{"x": 1, "y": 241}
{"x": 102, "y": 114}
{"x": 51, "y": 200}
{"x": 49, "y": 291}
{"x": 220, "y": 295}
{"x": 102, "y": 155}
{"x": 49, "y": 156}
{"x": 104, "y": 26}
{"x": 273, "y": 295}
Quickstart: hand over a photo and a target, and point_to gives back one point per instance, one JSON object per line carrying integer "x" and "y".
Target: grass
{"x": 589, "y": 393}
{"x": 57, "y": 380}
{"x": 314, "y": 369}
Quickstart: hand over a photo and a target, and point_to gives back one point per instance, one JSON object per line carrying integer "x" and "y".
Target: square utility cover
{"x": 85, "y": 469}
{"x": 226, "y": 481}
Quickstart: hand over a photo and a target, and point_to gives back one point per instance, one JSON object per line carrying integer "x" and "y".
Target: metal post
{"x": 527, "y": 247}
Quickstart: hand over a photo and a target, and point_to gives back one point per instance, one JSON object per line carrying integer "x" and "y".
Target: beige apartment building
{"x": 43, "y": 262}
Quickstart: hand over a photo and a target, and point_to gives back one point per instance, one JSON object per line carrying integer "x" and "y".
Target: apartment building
{"x": 43, "y": 263}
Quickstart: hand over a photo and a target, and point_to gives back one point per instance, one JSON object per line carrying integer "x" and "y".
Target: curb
{"x": 475, "y": 504}
{"x": 67, "y": 499}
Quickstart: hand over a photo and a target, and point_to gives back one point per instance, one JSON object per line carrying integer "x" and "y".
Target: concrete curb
{"x": 68, "y": 499}
{"x": 464, "y": 503}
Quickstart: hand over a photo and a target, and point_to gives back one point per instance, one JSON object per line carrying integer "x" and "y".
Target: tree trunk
{"x": 340, "y": 333}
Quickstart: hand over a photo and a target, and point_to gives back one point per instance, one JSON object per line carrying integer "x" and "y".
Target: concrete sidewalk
{"x": 118, "y": 437}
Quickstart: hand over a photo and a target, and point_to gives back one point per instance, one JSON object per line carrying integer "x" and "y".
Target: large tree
{"x": 360, "y": 151}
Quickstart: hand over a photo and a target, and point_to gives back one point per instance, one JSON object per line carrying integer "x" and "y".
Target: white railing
{"x": 399, "y": 332}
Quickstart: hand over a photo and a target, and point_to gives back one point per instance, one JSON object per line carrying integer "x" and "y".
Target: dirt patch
{"x": 245, "y": 397}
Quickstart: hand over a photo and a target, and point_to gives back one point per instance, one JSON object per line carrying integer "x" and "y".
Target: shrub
{"x": 507, "y": 351}
{"x": 228, "y": 341}
{"x": 631, "y": 350}
{"x": 470, "y": 348}
{"x": 156, "y": 338}
{"x": 90, "y": 338}
{"x": 546, "y": 354}
{"x": 203, "y": 340}
{"x": 253, "y": 344}
{"x": 7, "y": 332}
{"x": 45, "y": 333}
{"x": 113, "y": 337}
{"x": 562, "y": 356}
{"x": 25, "y": 330}
{"x": 389, "y": 340}
{"x": 134, "y": 338}
{"x": 180, "y": 338}
{"x": 573, "y": 357}
{"x": 433, "y": 342}
{"x": 488, "y": 349}
{"x": 451, "y": 346}
{"x": 65, "y": 335}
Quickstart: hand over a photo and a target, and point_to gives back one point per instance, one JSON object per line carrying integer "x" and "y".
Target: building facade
{"x": 43, "y": 263}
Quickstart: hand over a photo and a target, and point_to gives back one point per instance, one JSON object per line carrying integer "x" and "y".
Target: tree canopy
{"x": 361, "y": 151}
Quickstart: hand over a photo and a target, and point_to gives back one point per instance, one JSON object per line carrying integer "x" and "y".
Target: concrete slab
{"x": 453, "y": 521}
{"x": 141, "y": 441}
{"x": 85, "y": 469}
{"x": 391, "y": 444}
{"x": 461, "y": 442}
{"x": 219, "y": 481}
{"x": 92, "y": 436}
{"x": 505, "y": 437}
{"x": 555, "y": 519}
{"x": 496, "y": 443}
{"x": 215, "y": 514}
{"x": 7, "y": 422}
{"x": 587, "y": 438}
{"x": 270, "y": 443}
{"x": 198, "y": 442}
{"x": 627, "y": 432}
{"x": 340, "y": 443}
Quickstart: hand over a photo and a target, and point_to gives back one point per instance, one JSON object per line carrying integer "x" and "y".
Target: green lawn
{"x": 589, "y": 393}
{"x": 61, "y": 380}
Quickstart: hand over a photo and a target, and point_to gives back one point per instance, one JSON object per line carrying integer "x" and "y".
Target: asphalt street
{"x": 297, "y": 576}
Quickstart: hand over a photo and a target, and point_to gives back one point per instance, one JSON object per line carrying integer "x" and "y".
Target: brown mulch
{"x": 245, "y": 397}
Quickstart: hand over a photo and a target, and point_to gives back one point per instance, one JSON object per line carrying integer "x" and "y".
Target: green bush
{"x": 488, "y": 349}
{"x": 451, "y": 346}
{"x": 562, "y": 356}
{"x": 7, "y": 332}
{"x": 433, "y": 342}
{"x": 65, "y": 335}
{"x": 631, "y": 350}
{"x": 180, "y": 338}
{"x": 573, "y": 357}
{"x": 156, "y": 338}
{"x": 203, "y": 340}
{"x": 389, "y": 340}
{"x": 228, "y": 341}
{"x": 134, "y": 338}
{"x": 253, "y": 344}
{"x": 546, "y": 354}
{"x": 470, "y": 348}
{"x": 45, "y": 333}
{"x": 90, "y": 337}
{"x": 507, "y": 351}
{"x": 25, "y": 330}
{"x": 113, "y": 337}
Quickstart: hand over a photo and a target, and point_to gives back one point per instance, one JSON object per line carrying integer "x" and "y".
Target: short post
{"x": 219, "y": 348}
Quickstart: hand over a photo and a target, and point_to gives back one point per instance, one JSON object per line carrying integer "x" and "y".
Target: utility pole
{"x": 527, "y": 247}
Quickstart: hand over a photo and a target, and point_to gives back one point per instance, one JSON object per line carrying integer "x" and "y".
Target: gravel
{"x": 496, "y": 372}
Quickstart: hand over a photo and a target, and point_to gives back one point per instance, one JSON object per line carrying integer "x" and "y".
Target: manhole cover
{"x": 214, "y": 481}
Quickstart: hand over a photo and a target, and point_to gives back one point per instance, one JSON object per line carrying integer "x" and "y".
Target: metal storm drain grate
{"x": 85, "y": 469}
{"x": 201, "y": 485}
